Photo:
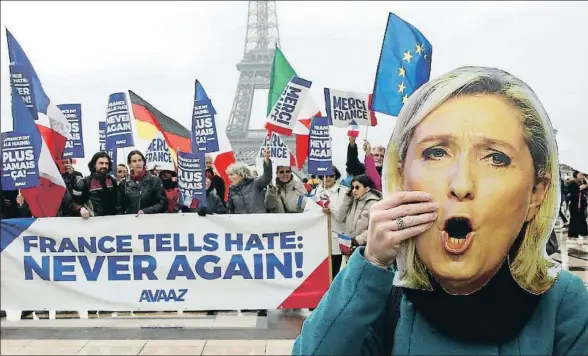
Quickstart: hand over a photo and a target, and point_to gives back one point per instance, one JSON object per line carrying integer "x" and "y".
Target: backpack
{"x": 386, "y": 323}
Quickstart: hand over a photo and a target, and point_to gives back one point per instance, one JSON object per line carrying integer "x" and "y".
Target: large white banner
{"x": 165, "y": 262}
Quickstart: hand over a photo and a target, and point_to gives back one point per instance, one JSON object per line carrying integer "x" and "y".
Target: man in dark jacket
{"x": 69, "y": 175}
{"x": 97, "y": 193}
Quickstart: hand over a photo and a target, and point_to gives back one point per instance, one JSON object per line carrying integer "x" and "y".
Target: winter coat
{"x": 336, "y": 195}
{"x": 173, "y": 198}
{"x": 248, "y": 196}
{"x": 357, "y": 215}
{"x": 219, "y": 186}
{"x": 214, "y": 204}
{"x": 98, "y": 200}
{"x": 286, "y": 197}
{"x": 343, "y": 323}
{"x": 355, "y": 167}
{"x": 70, "y": 180}
{"x": 147, "y": 195}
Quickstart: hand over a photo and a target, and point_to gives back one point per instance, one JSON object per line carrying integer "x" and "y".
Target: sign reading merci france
{"x": 284, "y": 114}
{"x": 345, "y": 107}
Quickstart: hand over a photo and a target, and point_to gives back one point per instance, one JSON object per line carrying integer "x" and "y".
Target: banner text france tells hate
{"x": 196, "y": 256}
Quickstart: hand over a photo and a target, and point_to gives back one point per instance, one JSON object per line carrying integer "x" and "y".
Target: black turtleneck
{"x": 496, "y": 313}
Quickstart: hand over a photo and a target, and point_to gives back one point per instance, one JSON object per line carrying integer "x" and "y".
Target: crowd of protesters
{"x": 132, "y": 189}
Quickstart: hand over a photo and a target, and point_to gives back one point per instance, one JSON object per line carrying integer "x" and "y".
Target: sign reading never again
{"x": 320, "y": 160}
{"x": 119, "y": 130}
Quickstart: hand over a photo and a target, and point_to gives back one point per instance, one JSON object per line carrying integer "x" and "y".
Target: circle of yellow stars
{"x": 407, "y": 56}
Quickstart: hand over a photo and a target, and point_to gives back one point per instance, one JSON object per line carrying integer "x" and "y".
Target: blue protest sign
{"x": 320, "y": 159}
{"x": 74, "y": 148}
{"x": 204, "y": 137}
{"x": 192, "y": 179}
{"x": 119, "y": 130}
{"x": 20, "y": 154}
{"x": 102, "y": 143}
{"x": 21, "y": 80}
{"x": 102, "y": 135}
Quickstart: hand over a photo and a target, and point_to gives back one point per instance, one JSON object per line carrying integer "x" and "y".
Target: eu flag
{"x": 405, "y": 65}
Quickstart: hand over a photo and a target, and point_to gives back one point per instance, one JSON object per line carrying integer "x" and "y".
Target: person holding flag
{"x": 247, "y": 194}
{"x": 332, "y": 194}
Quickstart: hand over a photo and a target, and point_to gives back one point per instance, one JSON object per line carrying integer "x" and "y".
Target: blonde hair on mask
{"x": 531, "y": 268}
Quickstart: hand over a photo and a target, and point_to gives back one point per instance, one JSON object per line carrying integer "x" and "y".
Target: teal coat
{"x": 341, "y": 323}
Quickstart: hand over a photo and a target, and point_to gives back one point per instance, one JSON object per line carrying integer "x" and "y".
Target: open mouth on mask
{"x": 457, "y": 235}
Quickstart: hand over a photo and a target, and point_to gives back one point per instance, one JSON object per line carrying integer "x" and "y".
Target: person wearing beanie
{"x": 172, "y": 192}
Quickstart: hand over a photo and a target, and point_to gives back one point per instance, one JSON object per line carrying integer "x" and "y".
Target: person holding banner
{"x": 97, "y": 193}
{"x": 214, "y": 204}
{"x": 9, "y": 208}
{"x": 172, "y": 192}
{"x": 456, "y": 260}
{"x": 141, "y": 192}
{"x": 247, "y": 194}
{"x": 218, "y": 184}
{"x": 288, "y": 195}
{"x": 69, "y": 174}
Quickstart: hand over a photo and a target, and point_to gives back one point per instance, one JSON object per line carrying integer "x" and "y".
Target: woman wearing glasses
{"x": 331, "y": 193}
{"x": 288, "y": 195}
{"x": 356, "y": 205}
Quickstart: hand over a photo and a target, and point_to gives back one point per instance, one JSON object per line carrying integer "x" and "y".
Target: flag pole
{"x": 330, "y": 237}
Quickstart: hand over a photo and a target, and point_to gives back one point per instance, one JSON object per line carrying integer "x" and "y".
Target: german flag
{"x": 149, "y": 121}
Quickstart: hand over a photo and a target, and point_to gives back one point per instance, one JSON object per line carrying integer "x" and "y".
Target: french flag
{"x": 302, "y": 130}
{"x": 49, "y": 122}
{"x": 320, "y": 202}
{"x": 225, "y": 155}
{"x": 353, "y": 130}
{"x": 344, "y": 243}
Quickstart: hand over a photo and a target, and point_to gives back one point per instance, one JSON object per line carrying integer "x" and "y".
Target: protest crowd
{"x": 166, "y": 168}
{"x": 135, "y": 189}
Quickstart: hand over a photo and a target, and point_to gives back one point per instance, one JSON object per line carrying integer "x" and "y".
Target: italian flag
{"x": 281, "y": 74}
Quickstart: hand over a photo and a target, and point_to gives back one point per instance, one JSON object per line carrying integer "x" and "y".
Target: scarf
{"x": 100, "y": 177}
{"x": 137, "y": 177}
{"x": 494, "y": 314}
{"x": 169, "y": 183}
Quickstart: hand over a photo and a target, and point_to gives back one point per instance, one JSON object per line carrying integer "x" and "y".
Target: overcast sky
{"x": 84, "y": 51}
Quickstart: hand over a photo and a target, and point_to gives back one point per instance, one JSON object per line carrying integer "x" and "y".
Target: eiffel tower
{"x": 262, "y": 38}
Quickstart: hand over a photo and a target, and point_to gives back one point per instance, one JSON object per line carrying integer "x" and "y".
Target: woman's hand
{"x": 416, "y": 211}
{"x": 367, "y": 148}
{"x": 266, "y": 154}
{"x": 326, "y": 211}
